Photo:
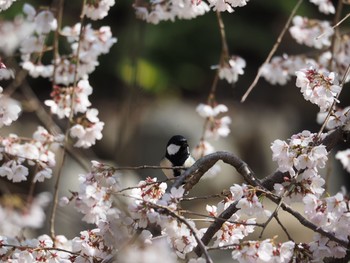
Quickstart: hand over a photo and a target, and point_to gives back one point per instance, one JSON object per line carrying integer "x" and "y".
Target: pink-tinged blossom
{"x": 340, "y": 117}
{"x": 233, "y": 233}
{"x": 148, "y": 191}
{"x": 232, "y": 69}
{"x": 216, "y": 127}
{"x": 281, "y": 68}
{"x": 156, "y": 12}
{"x": 229, "y": 5}
{"x": 344, "y": 158}
{"x": 96, "y": 10}
{"x": 94, "y": 196}
{"x": 61, "y": 101}
{"x": 301, "y": 158}
{"x": 332, "y": 215}
{"x": 247, "y": 201}
{"x": 181, "y": 237}
{"x": 324, "y": 6}
{"x": 318, "y": 87}
{"x": 14, "y": 171}
{"x": 87, "y": 130}
{"x": 307, "y": 31}
{"x": 93, "y": 43}
{"x": 90, "y": 245}
{"x": 37, "y": 151}
{"x": 264, "y": 251}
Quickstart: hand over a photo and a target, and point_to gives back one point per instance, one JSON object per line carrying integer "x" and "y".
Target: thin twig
{"x": 58, "y": 174}
{"x": 274, "y": 214}
{"x": 66, "y": 138}
{"x": 283, "y": 228}
{"x": 194, "y": 233}
{"x": 273, "y": 50}
{"x": 267, "y": 183}
{"x": 165, "y": 210}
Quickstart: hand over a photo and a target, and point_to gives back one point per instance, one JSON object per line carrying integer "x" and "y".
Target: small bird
{"x": 177, "y": 153}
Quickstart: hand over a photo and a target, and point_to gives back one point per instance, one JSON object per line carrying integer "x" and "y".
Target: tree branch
{"x": 205, "y": 163}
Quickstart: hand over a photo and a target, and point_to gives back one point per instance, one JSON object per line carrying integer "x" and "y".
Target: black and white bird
{"x": 177, "y": 153}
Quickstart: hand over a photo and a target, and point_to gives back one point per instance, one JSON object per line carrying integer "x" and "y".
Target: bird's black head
{"x": 177, "y": 150}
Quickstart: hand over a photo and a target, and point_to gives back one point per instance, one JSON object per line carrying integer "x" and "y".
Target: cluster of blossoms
{"x": 237, "y": 228}
{"x": 301, "y": 158}
{"x": 318, "y": 87}
{"x": 308, "y": 31}
{"x": 65, "y": 98}
{"x": 222, "y": 6}
{"x": 156, "y": 11}
{"x": 9, "y": 109}
{"x": 338, "y": 118}
{"x": 146, "y": 210}
{"x": 215, "y": 127}
{"x": 16, "y": 214}
{"x": 264, "y": 251}
{"x": 38, "y": 152}
{"x": 232, "y": 69}
{"x": 94, "y": 198}
{"x": 93, "y": 43}
{"x": 96, "y": 10}
{"x": 88, "y": 247}
{"x": 324, "y": 6}
{"x": 330, "y": 214}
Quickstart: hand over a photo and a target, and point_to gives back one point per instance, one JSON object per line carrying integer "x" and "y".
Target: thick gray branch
{"x": 204, "y": 164}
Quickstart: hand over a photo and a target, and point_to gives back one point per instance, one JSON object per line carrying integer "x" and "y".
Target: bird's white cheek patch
{"x": 173, "y": 149}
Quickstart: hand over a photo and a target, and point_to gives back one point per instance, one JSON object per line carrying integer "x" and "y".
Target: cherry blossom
{"x": 9, "y": 110}
{"x": 217, "y": 127}
{"x": 264, "y": 251}
{"x": 154, "y": 12}
{"x": 337, "y": 119}
{"x": 5, "y": 4}
{"x": 94, "y": 196}
{"x": 87, "y": 130}
{"x": 307, "y": 31}
{"x": 344, "y": 157}
{"x": 324, "y": 6}
{"x": 62, "y": 97}
{"x": 318, "y": 87}
{"x": 221, "y": 5}
{"x": 45, "y": 22}
{"x": 98, "y": 9}
{"x": 15, "y": 215}
{"x": 281, "y": 68}
{"x": 148, "y": 191}
{"x": 231, "y": 70}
